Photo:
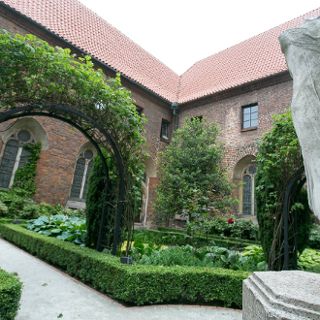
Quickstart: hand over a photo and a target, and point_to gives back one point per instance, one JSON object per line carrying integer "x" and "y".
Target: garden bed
{"x": 10, "y": 293}
{"x": 167, "y": 237}
{"x": 134, "y": 284}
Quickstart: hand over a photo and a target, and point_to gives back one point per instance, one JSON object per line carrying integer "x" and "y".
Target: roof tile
{"x": 248, "y": 61}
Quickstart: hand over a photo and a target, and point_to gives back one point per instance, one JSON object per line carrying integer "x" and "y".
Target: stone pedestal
{"x": 285, "y": 295}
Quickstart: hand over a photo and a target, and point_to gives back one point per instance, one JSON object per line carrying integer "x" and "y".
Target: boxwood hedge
{"x": 134, "y": 284}
{"x": 10, "y": 293}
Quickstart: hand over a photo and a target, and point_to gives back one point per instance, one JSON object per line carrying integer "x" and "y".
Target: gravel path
{"x": 50, "y": 294}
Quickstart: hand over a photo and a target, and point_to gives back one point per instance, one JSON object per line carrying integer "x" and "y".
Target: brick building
{"x": 239, "y": 88}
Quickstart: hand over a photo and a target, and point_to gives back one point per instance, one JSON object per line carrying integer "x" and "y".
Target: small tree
{"x": 192, "y": 182}
{"x": 279, "y": 157}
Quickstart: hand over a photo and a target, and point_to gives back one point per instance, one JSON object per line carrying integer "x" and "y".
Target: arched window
{"x": 248, "y": 190}
{"x": 81, "y": 174}
{"x": 14, "y": 156}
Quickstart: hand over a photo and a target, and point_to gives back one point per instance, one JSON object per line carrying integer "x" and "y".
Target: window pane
{"x": 87, "y": 180}
{"x": 246, "y": 124}
{"x": 7, "y": 162}
{"x": 246, "y": 110}
{"x": 254, "y": 122}
{"x": 246, "y": 200}
{"x": 24, "y": 158}
{"x": 246, "y": 117}
{"x": 77, "y": 179}
{"x": 254, "y": 109}
{"x": 254, "y": 115}
{"x": 164, "y": 129}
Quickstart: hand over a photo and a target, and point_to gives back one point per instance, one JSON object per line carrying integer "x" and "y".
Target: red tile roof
{"x": 251, "y": 60}
{"x": 72, "y": 21}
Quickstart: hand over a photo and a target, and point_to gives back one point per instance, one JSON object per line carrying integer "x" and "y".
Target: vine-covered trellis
{"x": 37, "y": 79}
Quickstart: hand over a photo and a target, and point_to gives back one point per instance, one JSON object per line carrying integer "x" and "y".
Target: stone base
{"x": 285, "y": 295}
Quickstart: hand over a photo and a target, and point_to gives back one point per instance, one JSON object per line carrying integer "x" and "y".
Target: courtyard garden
{"x": 204, "y": 261}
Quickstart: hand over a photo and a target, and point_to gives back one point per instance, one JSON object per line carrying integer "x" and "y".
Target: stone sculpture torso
{"x": 301, "y": 47}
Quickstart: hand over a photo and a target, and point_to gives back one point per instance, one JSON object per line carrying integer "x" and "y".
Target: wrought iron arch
{"x": 293, "y": 187}
{"x": 98, "y": 135}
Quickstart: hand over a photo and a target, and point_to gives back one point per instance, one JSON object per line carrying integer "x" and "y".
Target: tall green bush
{"x": 279, "y": 157}
{"x": 192, "y": 181}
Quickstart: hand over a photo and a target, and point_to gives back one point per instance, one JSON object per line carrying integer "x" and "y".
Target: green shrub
{"x": 192, "y": 181}
{"x": 279, "y": 157}
{"x": 226, "y": 227}
{"x": 180, "y": 239}
{"x": 63, "y": 227}
{"x": 136, "y": 284}
{"x": 309, "y": 260}
{"x": 10, "y": 293}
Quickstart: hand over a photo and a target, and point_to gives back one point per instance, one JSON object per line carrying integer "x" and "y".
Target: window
{"x": 248, "y": 194}
{"x": 250, "y": 117}
{"x": 164, "y": 134}
{"x": 199, "y": 118}
{"x": 14, "y": 156}
{"x": 81, "y": 175}
{"x": 139, "y": 110}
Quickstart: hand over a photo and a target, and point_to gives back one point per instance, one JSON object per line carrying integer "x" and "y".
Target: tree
{"x": 192, "y": 181}
{"x": 279, "y": 157}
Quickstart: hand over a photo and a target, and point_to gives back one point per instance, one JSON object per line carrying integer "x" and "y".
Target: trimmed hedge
{"x": 10, "y": 293}
{"x": 181, "y": 238}
{"x": 135, "y": 284}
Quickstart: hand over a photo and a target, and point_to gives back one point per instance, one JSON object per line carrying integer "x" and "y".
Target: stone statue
{"x": 301, "y": 47}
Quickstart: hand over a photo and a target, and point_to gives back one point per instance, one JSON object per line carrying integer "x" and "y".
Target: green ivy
{"x": 25, "y": 175}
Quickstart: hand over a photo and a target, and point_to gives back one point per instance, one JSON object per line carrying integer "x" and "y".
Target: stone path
{"x": 50, "y": 294}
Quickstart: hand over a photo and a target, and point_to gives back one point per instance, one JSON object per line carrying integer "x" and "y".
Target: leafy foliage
{"x": 251, "y": 259}
{"x": 10, "y": 293}
{"x": 279, "y": 157}
{"x": 221, "y": 226}
{"x": 309, "y": 260}
{"x": 33, "y": 72}
{"x": 314, "y": 238}
{"x": 62, "y": 227}
{"x": 175, "y": 238}
{"x": 136, "y": 284}
{"x": 25, "y": 176}
{"x": 16, "y": 204}
{"x": 192, "y": 182}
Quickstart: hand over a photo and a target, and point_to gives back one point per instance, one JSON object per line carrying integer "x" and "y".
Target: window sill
{"x": 76, "y": 204}
{"x": 166, "y": 140}
{"x": 249, "y": 129}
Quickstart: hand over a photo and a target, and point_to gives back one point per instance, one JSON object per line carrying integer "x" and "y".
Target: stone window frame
{"x": 249, "y": 107}
{"x": 18, "y": 155}
{"x": 35, "y": 129}
{"x": 79, "y": 202}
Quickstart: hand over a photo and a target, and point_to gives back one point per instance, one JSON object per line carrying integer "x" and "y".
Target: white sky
{"x": 181, "y": 32}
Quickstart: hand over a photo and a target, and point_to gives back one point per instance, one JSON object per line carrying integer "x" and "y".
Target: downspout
{"x": 175, "y": 115}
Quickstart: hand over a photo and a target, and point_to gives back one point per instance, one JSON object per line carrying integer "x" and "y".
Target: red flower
{"x": 230, "y": 220}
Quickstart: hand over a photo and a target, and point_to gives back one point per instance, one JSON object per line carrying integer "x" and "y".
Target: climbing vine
{"x": 25, "y": 175}
{"x": 35, "y": 74}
